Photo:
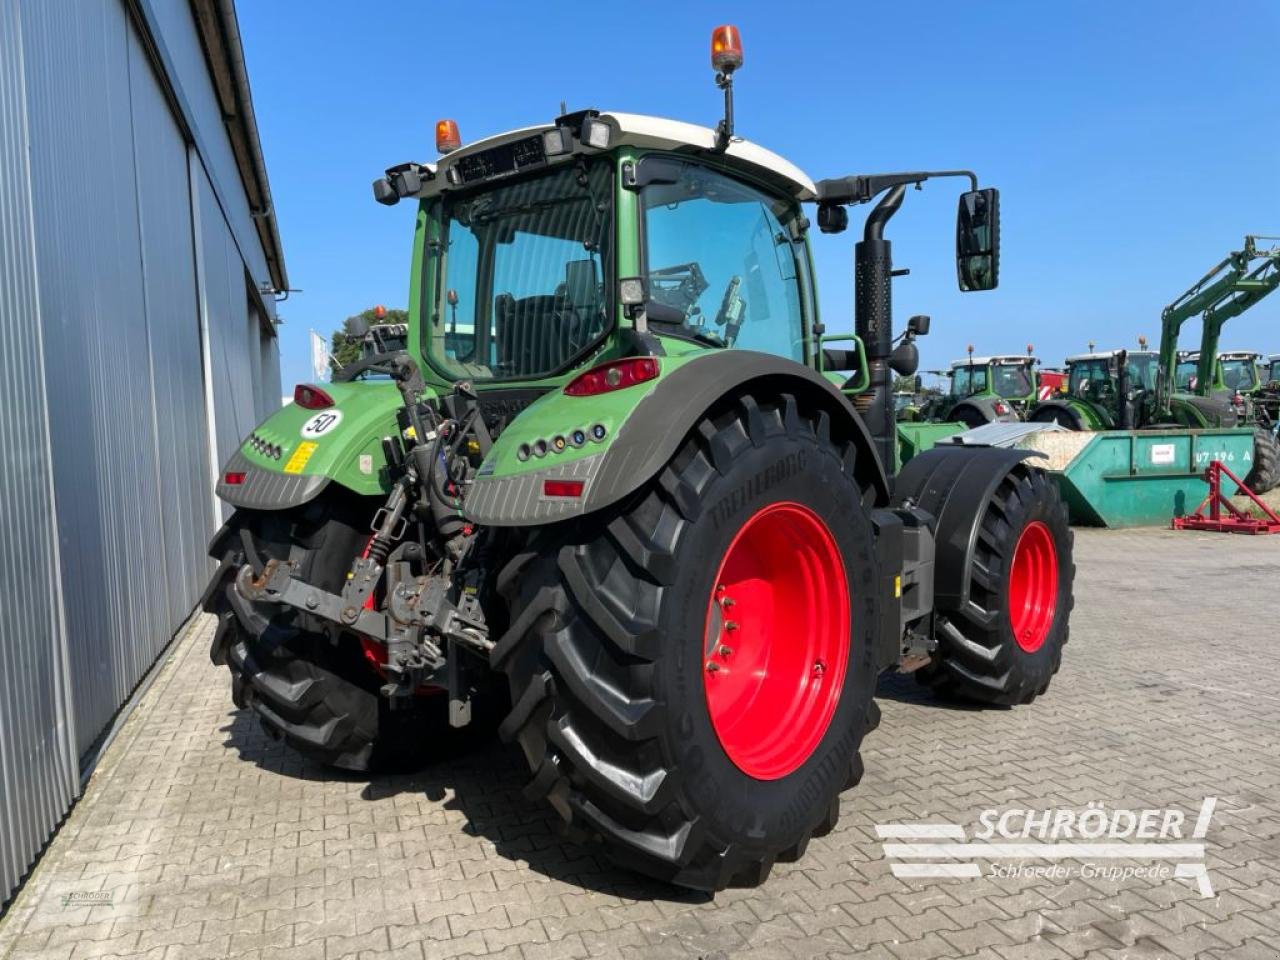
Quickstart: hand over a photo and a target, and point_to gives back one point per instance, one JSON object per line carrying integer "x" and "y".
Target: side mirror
{"x": 918, "y": 326}
{"x": 978, "y": 239}
{"x": 905, "y": 359}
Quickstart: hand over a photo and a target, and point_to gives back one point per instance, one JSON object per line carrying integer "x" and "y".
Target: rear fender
{"x": 340, "y": 444}
{"x": 954, "y": 485}
{"x": 1076, "y": 412}
{"x": 645, "y": 426}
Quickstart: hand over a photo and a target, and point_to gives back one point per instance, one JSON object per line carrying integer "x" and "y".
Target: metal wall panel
{"x": 173, "y": 333}
{"x": 177, "y": 29}
{"x": 237, "y": 348}
{"x": 93, "y": 307}
{"x": 113, "y": 259}
{"x": 38, "y": 775}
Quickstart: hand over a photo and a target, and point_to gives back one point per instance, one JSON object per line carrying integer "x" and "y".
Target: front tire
{"x": 1005, "y": 644}
{"x": 618, "y": 619}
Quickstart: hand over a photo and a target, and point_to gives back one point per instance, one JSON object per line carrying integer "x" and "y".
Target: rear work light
{"x": 614, "y": 375}
{"x": 311, "y": 398}
{"x": 562, "y": 488}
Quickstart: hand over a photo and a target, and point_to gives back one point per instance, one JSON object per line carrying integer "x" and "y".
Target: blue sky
{"x": 1134, "y": 143}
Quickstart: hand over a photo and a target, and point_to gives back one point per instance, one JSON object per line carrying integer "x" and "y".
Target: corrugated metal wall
{"x": 38, "y": 775}
{"x": 117, "y": 255}
{"x": 235, "y": 352}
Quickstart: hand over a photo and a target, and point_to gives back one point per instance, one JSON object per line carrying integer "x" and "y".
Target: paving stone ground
{"x": 201, "y": 837}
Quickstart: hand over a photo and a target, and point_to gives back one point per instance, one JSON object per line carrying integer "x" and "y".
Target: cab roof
{"x": 655, "y": 133}
{"x": 1239, "y": 355}
{"x": 997, "y": 358}
{"x": 1107, "y": 355}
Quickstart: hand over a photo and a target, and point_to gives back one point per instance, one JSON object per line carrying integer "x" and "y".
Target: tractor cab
{"x": 1241, "y": 371}
{"x": 1094, "y": 377}
{"x": 1009, "y": 377}
{"x": 1186, "y": 376}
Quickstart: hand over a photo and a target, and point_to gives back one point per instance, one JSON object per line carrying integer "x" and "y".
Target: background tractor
{"x": 621, "y": 488}
{"x": 1184, "y": 389}
{"x": 1108, "y": 390}
{"x": 986, "y": 389}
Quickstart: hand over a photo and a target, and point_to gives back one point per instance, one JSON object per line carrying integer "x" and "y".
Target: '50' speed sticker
{"x": 321, "y": 424}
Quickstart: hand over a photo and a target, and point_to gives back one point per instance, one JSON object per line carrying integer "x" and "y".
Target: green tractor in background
{"x": 1249, "y": 379}
{"x": 1107, "y": 390}
{"x": 1185, "y": 389}
{"x": 1268, "y": 396}
{"x": 986, "y": 390}
{"x": 621, "y": 488}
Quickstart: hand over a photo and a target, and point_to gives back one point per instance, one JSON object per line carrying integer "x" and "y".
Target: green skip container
{"x": 1134, "y": 478}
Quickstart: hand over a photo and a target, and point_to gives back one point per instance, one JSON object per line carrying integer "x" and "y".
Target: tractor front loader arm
{"x": 1232, "y": 286}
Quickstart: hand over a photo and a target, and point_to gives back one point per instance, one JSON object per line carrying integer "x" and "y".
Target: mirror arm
{"x": 862, "y": 188}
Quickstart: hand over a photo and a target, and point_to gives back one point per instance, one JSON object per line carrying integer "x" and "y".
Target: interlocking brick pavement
{"x": 202, "y": 837}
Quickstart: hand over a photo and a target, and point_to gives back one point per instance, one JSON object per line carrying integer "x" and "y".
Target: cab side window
{"x": 722, "y": 266}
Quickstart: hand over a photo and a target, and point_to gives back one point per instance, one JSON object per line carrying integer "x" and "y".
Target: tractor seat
{"x": 526, "y": 334}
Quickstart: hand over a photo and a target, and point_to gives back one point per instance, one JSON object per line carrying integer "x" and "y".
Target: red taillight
{"x": 562, "y": 488}
{"x": 233, "y": 479}
{"x": 311, "y": 398}
{"x": 614, "y": 375}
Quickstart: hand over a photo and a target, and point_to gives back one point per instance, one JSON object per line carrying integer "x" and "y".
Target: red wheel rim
{"x": 776, "y": 645}
{"x": 1033, "y": 586}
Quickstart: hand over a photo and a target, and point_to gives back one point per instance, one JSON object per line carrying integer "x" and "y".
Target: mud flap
{"x": 954, "y": 485}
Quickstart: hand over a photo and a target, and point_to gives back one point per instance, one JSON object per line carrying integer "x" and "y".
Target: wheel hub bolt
{"x": 712, "y": 666}
{"x": 730, "y": 625}
{"x": 819, "y": 668}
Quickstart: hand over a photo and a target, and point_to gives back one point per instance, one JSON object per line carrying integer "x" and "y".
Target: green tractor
{"x": 1106, "y": 390}
{"x": 1179, "y": 389}
{"x": 620, "y": 488}
{"x": 1246, "y": 376}
{"x": 985, "y": 390}
{"x": 1268, "y": 396}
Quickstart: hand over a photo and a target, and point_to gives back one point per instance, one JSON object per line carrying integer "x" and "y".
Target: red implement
{"x": 1234, "y": 520}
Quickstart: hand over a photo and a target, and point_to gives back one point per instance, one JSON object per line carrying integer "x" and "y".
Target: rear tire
{"x": 971, "y": 416}
{"x": 608, "y": 649}
{"x": 319, "y": 696}
{"x": 1004, "y": 645}
{"x": 1265, "y": 474}
{"x": 1062, "y": 416}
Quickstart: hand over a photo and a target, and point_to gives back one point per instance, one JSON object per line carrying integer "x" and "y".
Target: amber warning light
{"x": 447, "y": 137}
{"x": 726, "y": 48}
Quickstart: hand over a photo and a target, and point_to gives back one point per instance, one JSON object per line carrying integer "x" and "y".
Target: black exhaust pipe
{"x": 873, "y": 320}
